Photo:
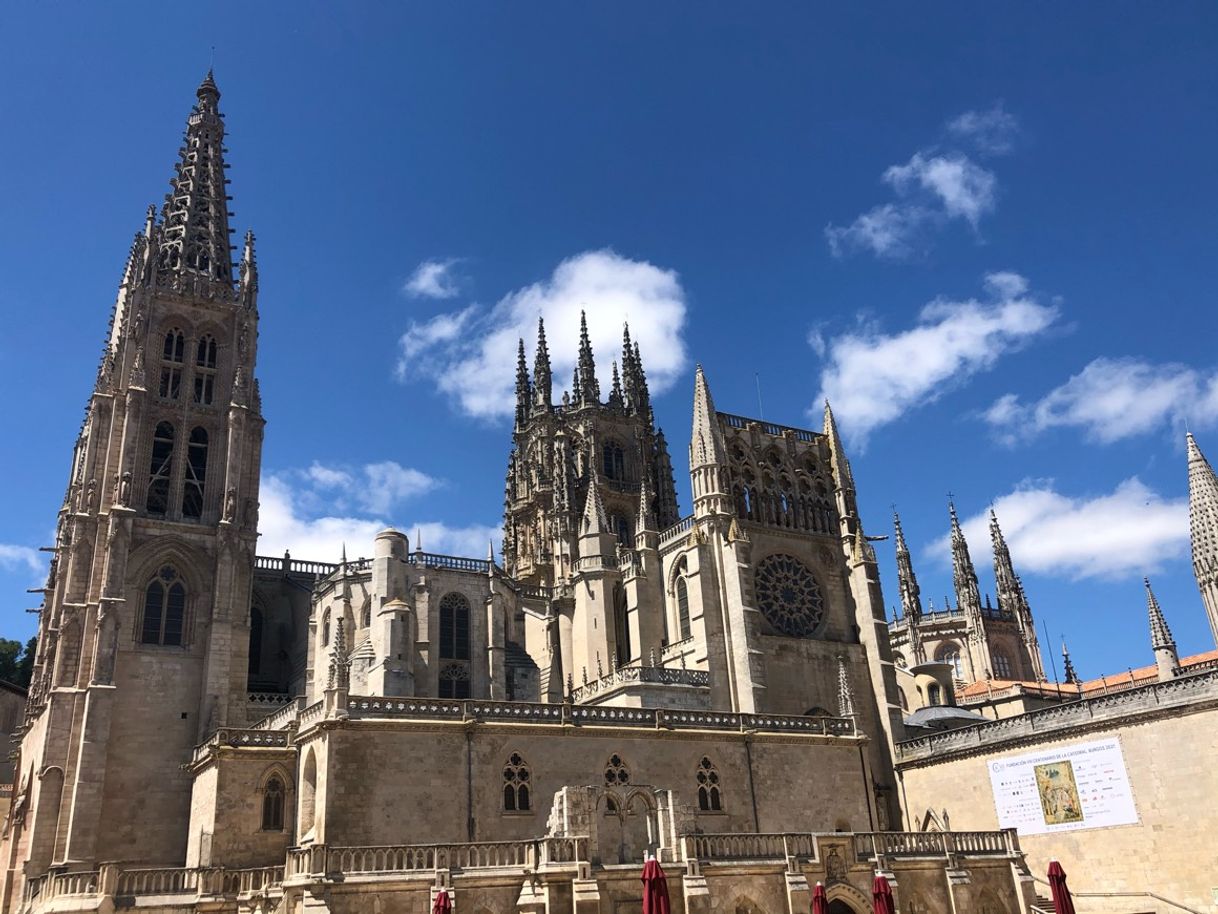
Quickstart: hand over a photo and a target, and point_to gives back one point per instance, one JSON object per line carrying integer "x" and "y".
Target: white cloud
{"x": 1127, "y": 533}
{"x": 434, "y": 279}
{"x": 933, "y": 188}
{"x": 471, "y": 354}
{"x": 872, "y": 378}
{"x": 292, "y": 518}
{"x": 373, "y": 487}
{"x": 15, "y": 557}
{"x": 1112, "y": 399}
{"x": 992, "y": 130}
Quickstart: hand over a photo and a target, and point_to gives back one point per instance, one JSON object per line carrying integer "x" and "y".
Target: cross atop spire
{"x": 194, "y": 229}
{"x": 1068, "y": 666}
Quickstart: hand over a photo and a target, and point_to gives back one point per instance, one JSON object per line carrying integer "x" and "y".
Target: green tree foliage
{"x": 16, "y": 662}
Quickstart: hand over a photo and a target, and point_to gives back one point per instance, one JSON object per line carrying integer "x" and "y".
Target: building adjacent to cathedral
{"x": 211, "y": 729}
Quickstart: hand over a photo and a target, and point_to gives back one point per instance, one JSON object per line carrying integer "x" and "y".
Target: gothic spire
{"x": 647, "y": 514}
{"x": 644, "y": 395}
{"x": 845, "y": 693}
{"x": 968, "y": 594}
{"x": 248, "y": 272}
{"x": 522, "y": 385}
{"x": 907, "y": 581}
{"x": 542, "y": 380}
{"x": 839, "y": 464}
{"x": 1160, "y": 634}
{"x": 705, "y": 444}
{"x": 1203, "y": 527}
{"x": 1068, "y": 666}
{"x": 194, "y": 236}
{"x": 1012, "y": 598}
{"x": 590, "y": 389}
{"x": 595, "y": 520}
{"x": 615, "y": 389}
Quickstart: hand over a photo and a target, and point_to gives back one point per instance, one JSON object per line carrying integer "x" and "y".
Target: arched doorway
{"x": 841, "y": 907}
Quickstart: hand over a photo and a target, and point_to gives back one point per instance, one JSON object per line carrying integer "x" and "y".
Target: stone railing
{"x": 770, "y": 428}
{"x": 320, "y": 860}
{"x": 160, "y": 881}
{"x": 874, "y": 845}
{"x": 311, "y": 713}
{"x": 1088, "y": 712}
{"x": 282, "y": 718}
{"x": 288, "y": 565}
{"x": 658, "y": 675}
{"x": 190, "y": 881}
{"x": 452, "y": 562}
{"x": 371, "y": 708}
{"x": 242, "y": 738}
{"x": 62, "y": 885}
{"x": 756, "y": 846}
{"x": 684, "y": 525}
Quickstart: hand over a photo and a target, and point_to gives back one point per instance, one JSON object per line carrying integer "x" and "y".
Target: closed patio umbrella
{"x": 1062, "y": 902}
{"x": 881, "y": 895}
{"x": 655, "y": 889}
{"x": 443, "y": 904}
{"x": 820, "y": 901}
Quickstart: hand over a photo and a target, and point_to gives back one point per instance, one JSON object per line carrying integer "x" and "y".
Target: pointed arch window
{"x": 613, "y": 461}
{"x": 273, "y": 795}
{"x": 325, "y": 628}
{"x": 517, "y": 789}
{"x": 682, "y": 588}
{"x": 172, "y": 359}
{"x": 950, "y": 653}
{"x": 205, "y": 370}
{"x": 1002, "y": 665}
{"x": 196, "y": 473}
{"x": 621, "y": 627}
{"x": 710, "y": 798}
{"x": 454, "y": 627}
{"x": 164, "y": 608}
{"x": 161, "y": 471}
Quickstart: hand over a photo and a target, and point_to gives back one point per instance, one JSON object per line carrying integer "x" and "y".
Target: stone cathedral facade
{"x": 210, "y": 729}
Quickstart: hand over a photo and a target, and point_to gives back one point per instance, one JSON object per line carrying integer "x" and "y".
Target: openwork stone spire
{"x": 964, "y": 576}
{"x": 1012, "y": 598}
{"x": 907, "y": 581}
{"x": 590, "y": 389}
{"x": 542, "y": 378}
{"x": 522, "y": 385}
{"x": 1203, "y": 526}
{"x": 1160, "y": 634}
{"x": 615, "y": 388}
{"x": 194, "y": 230}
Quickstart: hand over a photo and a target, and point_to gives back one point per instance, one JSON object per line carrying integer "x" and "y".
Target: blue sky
{"x": 987, "y": 232}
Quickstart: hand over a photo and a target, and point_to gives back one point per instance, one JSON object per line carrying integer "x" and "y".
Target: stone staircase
{"x": 1042, "y": 905}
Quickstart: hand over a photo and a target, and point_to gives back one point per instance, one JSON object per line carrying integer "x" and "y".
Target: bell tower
{"x": 143, "y": 632}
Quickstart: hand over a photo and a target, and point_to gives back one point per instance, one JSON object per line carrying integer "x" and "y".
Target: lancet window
{"x": 196, "y": 473}
{"x": 621, "y": 626}
{"x": 161, "y": 471}
{"x": 950, "y": 653}
{"x": 454, "y": 676}
{"x": 1002, "y": 665}
{"x": 613, "y": 461}
{"x": 164, "y": 608}
{"x": 205, "y": 370}
{"x": 710, "y": 799}
{"x": 682, "y": 588}
{"x": 272, "y": 804}
{"x": 517, "y": 790}
{"x": 172, "y": 359}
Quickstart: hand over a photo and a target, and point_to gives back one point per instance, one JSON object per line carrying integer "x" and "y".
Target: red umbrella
{"x": 655, "y": 889}
{"x": 1062, "y": 902}
{"x": 820, "y": 901}
{"x": 881, "y": 895}
{"x": 443, "y": 904}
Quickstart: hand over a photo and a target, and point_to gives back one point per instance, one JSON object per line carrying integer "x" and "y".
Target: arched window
{"x": 272, "y": 804}
{"x": 613, "y": 461}
{"x": 683, "y": 626}
{"x": 709, "y": 797}
{"x": 1002, "y": 665}
{"x": 308, "y": 795}
{"x": 620, "y": 525}
{"x": 255, "y": 640}
{"x": 164, "y": 608}
{"x": 171, "y": 364}
{"x": 161, "y": 471}
{"x": 516, "y": 789}
{"x": 454, "y": 627}
{"x": 196, "y": 473}
{"x": 325, "y": 628}
{"x": 950, "y": 653}
{"x": 934, "y": 695}
{"x": 621, "y": 627}
{"x": 205, "y": 370}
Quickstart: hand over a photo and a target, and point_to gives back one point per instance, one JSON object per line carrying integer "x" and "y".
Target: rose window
{"x": 788, "y": 595}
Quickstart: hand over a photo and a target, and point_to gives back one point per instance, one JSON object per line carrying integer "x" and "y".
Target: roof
{"x": 1143, "y": 675}
{"x": 944, "y": 717}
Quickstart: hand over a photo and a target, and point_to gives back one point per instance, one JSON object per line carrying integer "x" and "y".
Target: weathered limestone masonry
{"x": 1168, "y": 733}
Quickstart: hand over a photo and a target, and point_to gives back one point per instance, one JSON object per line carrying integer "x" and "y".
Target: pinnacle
{"x": 1160, "y": 634}
{"x": 208, "y": 86}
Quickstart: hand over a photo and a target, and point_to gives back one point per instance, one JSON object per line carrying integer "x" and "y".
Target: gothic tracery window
{"x": 789, "y": 596}
{"x": 616, "y": 772}
{"x": 709, "y": 797}
{"x": 949, "y": 652}
{"x": 205, "y": 370}
{"x": 1002, "y": 665}
{"x": 272, "y": 804}
{"x": 196, "y": 473}
{"x": 454, "y": 676}
{"x": 172, "y": 359}
{"x": 684, "y": 630}
{"x": 164, "y": 608}
{"x": 517, "y": 789}
{"x": 160, "y": 473}
{"x": 613, "y": 461}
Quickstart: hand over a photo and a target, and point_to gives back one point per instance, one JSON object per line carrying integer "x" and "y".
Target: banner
{"x": 1066, "y": 788}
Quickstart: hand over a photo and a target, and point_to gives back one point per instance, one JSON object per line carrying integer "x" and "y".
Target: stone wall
{"x": 1169, "y": 738}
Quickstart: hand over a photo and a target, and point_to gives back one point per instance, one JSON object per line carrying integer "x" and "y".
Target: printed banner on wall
{"x": 1084, "y": 785}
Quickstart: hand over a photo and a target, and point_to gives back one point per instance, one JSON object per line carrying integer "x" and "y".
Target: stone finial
{"x": 1160, "y": 634}
{"x": 845, "y": 692}
{"x": 340, "y": 663}
{"x": 1068, "y": 665}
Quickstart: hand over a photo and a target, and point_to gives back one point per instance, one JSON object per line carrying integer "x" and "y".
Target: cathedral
{"x": 721, "y": 690}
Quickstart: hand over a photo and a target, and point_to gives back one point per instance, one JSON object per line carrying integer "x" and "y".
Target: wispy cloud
{"x": 872, "y": 377}
{"x": 1126, "y": 533}
{"x": 992, "y": 130}
{"x": 935, "y": 187}
{"x": 313, "y": 513}
{"x": 470, "y": 353}
{"x": 15, "y": 557}
{"x": 434, "y": 279}
{"x": 1112, "y": 399}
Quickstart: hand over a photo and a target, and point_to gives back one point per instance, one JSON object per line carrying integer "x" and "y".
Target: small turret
{"x": 1161, "y": 641}
{"x": 589, "y": 387}
{"x": 707, "y": 453}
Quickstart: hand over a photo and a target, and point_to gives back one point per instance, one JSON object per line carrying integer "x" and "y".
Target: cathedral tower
{"x": 1203, "y": 526}
{"x": 143, "y": 633}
